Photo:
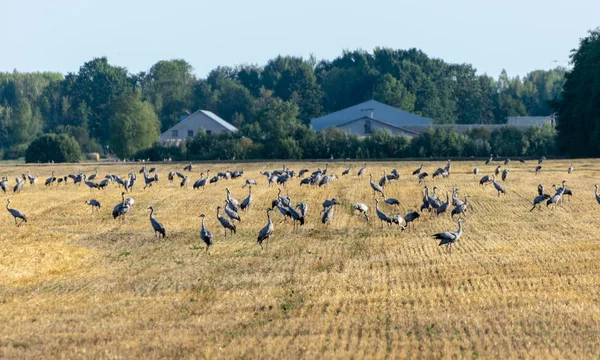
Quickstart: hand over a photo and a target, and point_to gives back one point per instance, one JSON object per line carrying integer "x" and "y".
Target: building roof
{"x": 222, "y": 122}
{"x": 528, "y": 120}
{"x": 382, "y": 112}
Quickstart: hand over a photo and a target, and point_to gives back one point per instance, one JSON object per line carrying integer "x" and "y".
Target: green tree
{"x": 579, "y": 109}
{"x": 52, "y": 147}
{"x": 392, "y": 92}
{"x": 134, "y": 125}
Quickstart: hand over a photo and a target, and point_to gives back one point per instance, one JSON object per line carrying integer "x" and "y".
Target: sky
{"x": 516, "y": 35}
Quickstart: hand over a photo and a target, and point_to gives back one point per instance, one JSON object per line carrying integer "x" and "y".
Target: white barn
{"x": 189, "y": 126}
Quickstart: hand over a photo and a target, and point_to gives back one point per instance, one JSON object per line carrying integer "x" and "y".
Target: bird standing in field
{"x": 597, "y": 196}
{"x": 410, "y": 218}
{"x": 376, "y": 188}
{"x": 539, "y": 200}
{"x": 540, "y": 189}
{"x": 206, "y": 235}
{"x": 362, "y": 170}
{"x": 50, "y": 180}
{"x": 490, "y": 159}
{"x": 233, "y": 215}
{"x": 498, "y": 187}
{"x": 538, "y": 169}
{"x": 328, "y": 215}
{"x": 449, "y": 238}
{"x": 226, "y": 223}
{"x": 461, "y": 208}
{"x": 505, "y": 174}
{"x": 570, "y": 169}
{"x": 16, "y": 214}
{"x": 95, "y": 204}
{"x": 391, "y": 201}
{"x": 122, "y": 208}
{"x": 475, "y": 172}
{"x": 418, "y": 171}
{"x": 383, "y": 217}
{"x": 245, "y": 205}
{"x": 266, "y": 232}
{"x": 497, "y": 171}
{"x": 362, "y": 209}
{"x": 159, "y": 229}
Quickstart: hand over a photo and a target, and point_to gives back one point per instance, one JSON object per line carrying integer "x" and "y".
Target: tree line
{"x": 107, "y": 109}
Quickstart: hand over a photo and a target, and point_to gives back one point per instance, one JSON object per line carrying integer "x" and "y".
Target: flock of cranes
{"x": 228, "y": 213}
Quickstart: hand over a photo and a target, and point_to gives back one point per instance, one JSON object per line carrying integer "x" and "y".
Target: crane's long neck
{"x": 151, "y": 212}
{"x": 459, "y": 228}
{"x": 596, "y": 191}
{"x": 203, "y": 229}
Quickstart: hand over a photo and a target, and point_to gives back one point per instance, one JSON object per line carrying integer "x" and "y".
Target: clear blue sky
{"x": 60, "y": 35}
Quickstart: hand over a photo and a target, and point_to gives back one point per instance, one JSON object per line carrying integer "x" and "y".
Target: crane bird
{"x": 362, "y": 209}
{"x": 498, "y": 187}
{"x": 538, "y": 169}
{"x": 226, "y": 223}
{"x": 475, "y": 172}
{"x": 16, "y": 214}
{"x": 206, "y": 235}
{"x": 450, "y": 237}
{"x": 539, "y": 200}
{"x": 249, "y": 182}
{"x": 541, "y": 160}
{"x": 94, "y": 175}
{"x": 50, "y": 180}
{"x": 303, "y": 207}
{"x": 95, "y": 204}
{"x": 171, "y": 176}
{"x": 460, "y": 209}
{"x": 245, "y": 205}
{"x": 232, "y": 202}
{"x": 188, "y": 167}
{"x": 362, "y": 170}
{"x": 296, "y": 216}
{"x": 418, "y": 171}
{"x": 411, "y": 217}
{"x": 159, "y": 229}
{"x": 383, "y": 217}
{"x": 327, "y": 214}
{"x": 490, "y": 159}
{"x": 384, "y": 180}
{"x": 540, "y": 189}
{"x": 233, "y": 215}
{"x": 346, "y": 172}
{"x": 376, "y": 188}
{"x": 597, "y": 196}
{"x": 442, "y": 208}
{"x": 485, "y": 180}
{"x": 122, "y": 208}
{"x": 505, "y": 174}
{"x": 570, "y": 169}
{"x": 327, "y": 203}
{"x": 554, "y": 200}
{"x": 184, "y": 182}
{"x": 265, "y": 233}
{"x": 399, "y": 220}
{"x": 422, "y": 176}
{"x": 507, "y": 161}
{"x": 391, "y": 201}
{"x": 302, "y": 172}
{"x": 497, "y": 171}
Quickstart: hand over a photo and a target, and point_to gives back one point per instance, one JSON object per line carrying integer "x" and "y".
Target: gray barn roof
{"x": 222, "y": 122}
{"x": 382, "y": 112}
{"x": 528, "y": 120}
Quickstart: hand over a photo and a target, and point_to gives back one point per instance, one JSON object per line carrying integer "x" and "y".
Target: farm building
{"x": 188, "y": 127}
{"x": 525, "y": 121}
{"x": 365, "y": 118}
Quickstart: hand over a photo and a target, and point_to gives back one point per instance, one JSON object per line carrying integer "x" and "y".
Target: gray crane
{"x": 455, "y": 200}
{"x": 18, "y": 186}
{"x": 597, "y": 196}
{"x": 171, "y": 176}
{"x": 442, "y": 208}
{"x": 303, "y": 207}
{"x": 362, "y": 170}
{"x": 490, "y": 159}
{"x": 50, "y": 180}
{"x": 498, "y": 187}
{"x": 410, "y": 218}
{"x": 485, "y": 180}
{"x": 328, "y": 215}
{"x": 399, "y": 220}
{"x": 507, "y": 161}
{"x": 384, "y": 180}
{"x": 391, "y": 201}
{"x": 3, "y": 184}
{"x": 202, "y": 181}
{"x": 90, "y": 184}
{"x": 383, "y": 217}
{"x": 232, "y": 202}
{"x": 159, "y": 229}
{"x": 245, "y": 205}
{"x": 541, "y": 160}
{"x": 570, "y": 169}
{"x": 104, "y": 183}
{"x": 362, "y": 209}
{"x": 460, "y": 209}
{"x": 94, "y": 175}
{"x": 328, "y": 203}
{"x": 539, "y": 200}
{"x": 233, "y": 215}
{"x": 16, "y": 214}
{"x": 179, "y": 175}
{"x": 554, "y": 200}
{"x": 422, "y": 176}
{"x": 121, "y": 209}
{"x": 249, "y": 182}
{"x": 497, "y": 170}
{"x": 505, "y": 174}
{"x": 206, "y": 235}
{"x": 302, "y": 172}
{"x": 184, "y": 182}
{"x": 376, "y": 188}
{"x": 188, "y": 167}
{"x": 566, "y": 191}
{"x": 265, "y": 233}
{"x": 296, "y": 216}
{"x": 538, "y": 169}
{"x": 540, "y": 189}
{"x": 418, "y": 171}
{"x": 95, "y": 204}
{"x": 197, "y": 182}
{"x": 326, "y": 180}
{"x": 346, "y": 172}
{"x": 449, "y": 238}
{"x": 226, "y": 223}
{"x": 475, "y": 172}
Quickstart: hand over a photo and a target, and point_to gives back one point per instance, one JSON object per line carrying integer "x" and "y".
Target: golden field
{"x": 518, "y": 284}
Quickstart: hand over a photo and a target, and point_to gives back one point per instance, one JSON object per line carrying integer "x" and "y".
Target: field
{"x": 518, "y": 284}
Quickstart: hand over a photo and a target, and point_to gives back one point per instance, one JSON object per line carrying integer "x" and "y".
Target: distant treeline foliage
{"x": 90, "y": 105}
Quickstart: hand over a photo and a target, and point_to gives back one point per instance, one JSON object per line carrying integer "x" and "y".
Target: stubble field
{"x": 518, "y": 284}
